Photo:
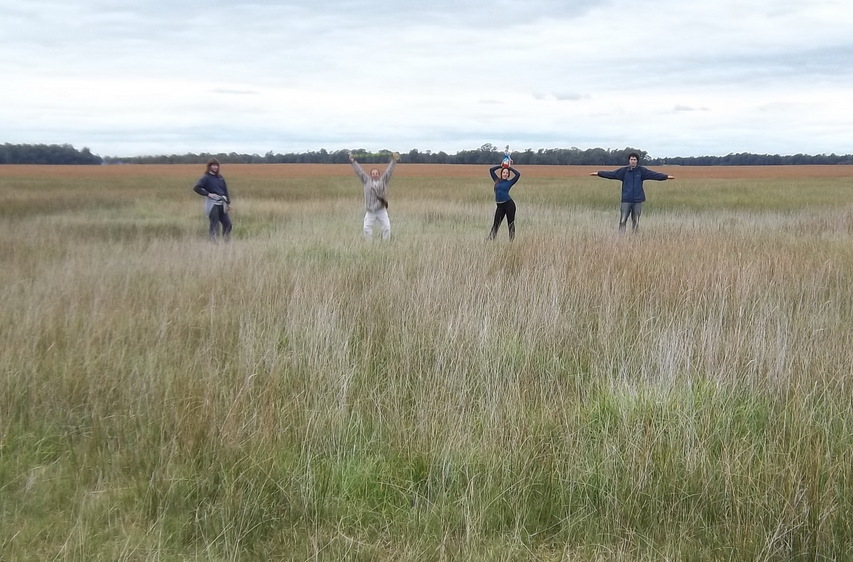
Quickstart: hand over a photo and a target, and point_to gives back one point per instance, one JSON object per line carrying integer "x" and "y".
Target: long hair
{"x": 500, "y": 176}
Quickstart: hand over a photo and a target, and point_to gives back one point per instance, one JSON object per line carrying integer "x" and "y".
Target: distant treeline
{"x": 46, "y": 154}
{"x": 485, "y": 155}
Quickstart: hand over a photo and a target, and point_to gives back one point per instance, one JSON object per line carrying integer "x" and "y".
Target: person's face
{"x": 632, "y": 161}
{"x": 374, "y": 173}
{"x": 214, "y": 169}
{"x": 505, "y": 173}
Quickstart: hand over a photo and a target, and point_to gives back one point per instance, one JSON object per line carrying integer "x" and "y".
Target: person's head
{"x": 504, "y": 173}
{"x": 374, "y": 173}
{"x": 213, "y": 166}
{"x": 633, "y": 159}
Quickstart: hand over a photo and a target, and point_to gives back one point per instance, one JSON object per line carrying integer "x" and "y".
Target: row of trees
{"x": 747, "y": 159}
{"x": 487, "y": 154}
{"x": 46, "y": 154}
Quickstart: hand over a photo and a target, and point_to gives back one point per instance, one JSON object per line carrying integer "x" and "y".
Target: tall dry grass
{"x": 301, "y": 394}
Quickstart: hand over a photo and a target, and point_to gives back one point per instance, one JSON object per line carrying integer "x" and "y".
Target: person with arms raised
{"x": 375, "y": 187}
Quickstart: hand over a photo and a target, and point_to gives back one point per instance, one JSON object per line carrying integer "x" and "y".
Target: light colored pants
{"x": 371, "y": 217}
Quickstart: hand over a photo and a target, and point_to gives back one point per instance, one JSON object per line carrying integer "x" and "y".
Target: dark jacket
{"x": 212, "y": 184}
{"x": 632, "y": 181}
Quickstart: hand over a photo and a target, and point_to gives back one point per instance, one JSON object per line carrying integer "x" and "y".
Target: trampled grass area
{"x": 299, "y": 394}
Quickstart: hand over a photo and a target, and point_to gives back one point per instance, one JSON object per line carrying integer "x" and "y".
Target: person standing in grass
{"x": 376, "y": 196}
{"x": 633, "y": 195}
{"x": 217, "y": 203}
{"x": 505, "y": 205}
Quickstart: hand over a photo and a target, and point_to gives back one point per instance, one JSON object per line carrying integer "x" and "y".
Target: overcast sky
{"x": 671, "y": 77}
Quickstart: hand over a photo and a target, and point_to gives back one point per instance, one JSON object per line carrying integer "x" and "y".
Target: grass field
{"x": 301, "y": 394}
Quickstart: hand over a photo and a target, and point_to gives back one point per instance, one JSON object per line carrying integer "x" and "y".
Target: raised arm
{"x": 492, "y": 171}
{"x": 517, "y": 175}
{"x": 392, "y": 165}
{"x": 358, "y": 169}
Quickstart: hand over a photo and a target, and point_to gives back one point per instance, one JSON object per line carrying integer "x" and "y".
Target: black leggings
{"x": 505, "y": 209}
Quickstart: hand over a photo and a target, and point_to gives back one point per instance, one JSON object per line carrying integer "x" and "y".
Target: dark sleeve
{"x": 492, "y": 171}
{"x": 225, "y": 189}
{"x": 517, "y": 175}
{"x": 614, "y": 175}
{"x": 651, "y": 175}
{"x": 200, "y": 186}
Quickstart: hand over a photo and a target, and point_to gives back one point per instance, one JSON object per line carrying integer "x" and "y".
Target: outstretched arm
{"x": 614, "y": 175}
{"x": 659, "y": 176}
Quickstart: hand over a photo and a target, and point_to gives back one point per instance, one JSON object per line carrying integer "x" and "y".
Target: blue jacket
{"x": 502, "y": 187}
{"x": 632, "y": 181}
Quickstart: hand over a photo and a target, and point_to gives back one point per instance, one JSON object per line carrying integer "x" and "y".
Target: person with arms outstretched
{"x": 505, "y": 206}
{"x": 376, "y": 196}
{"x": 633, "y": 195}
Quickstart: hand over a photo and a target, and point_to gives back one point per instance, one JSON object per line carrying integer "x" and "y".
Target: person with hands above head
{"x": 633, "y": 195}
{"x": 217, "y": 202}
{"x": 375, "y": 186}
{"x": 505, "y": 206}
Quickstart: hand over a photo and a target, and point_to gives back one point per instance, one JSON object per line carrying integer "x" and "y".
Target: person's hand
{"x": 214, "y": 196}
{"x": 395, "y": 156}
{"x": 670, "y": 177}
{"x": 593, "y": 173}
{"x": 349, "y": 155}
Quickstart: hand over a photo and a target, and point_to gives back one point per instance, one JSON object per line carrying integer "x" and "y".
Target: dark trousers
{"x": 632, "y": 210}
{"x": 505, "y": 209}
{"x": 217, "y": 216}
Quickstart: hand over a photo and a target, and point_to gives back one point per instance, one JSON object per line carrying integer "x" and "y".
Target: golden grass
{"x": 301, "y": 394}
